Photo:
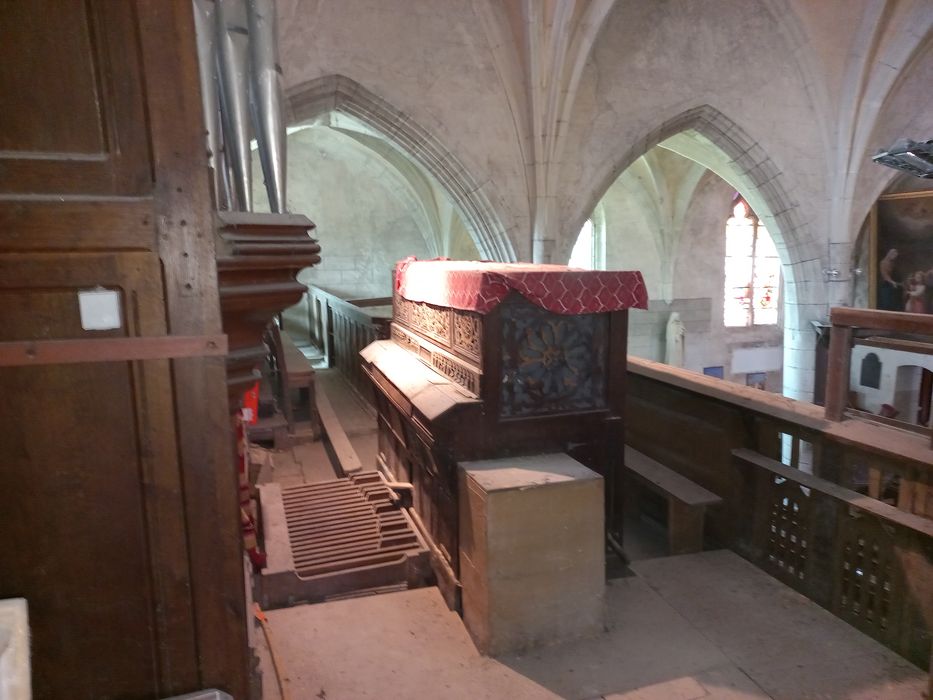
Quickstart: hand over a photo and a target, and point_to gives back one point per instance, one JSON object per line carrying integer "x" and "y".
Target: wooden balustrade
{"x": 885, "y": 463}
{"x": 341, "y": 328}
{"x": 865, "y": 561}
{"x": 845, "y": 323}
{"x": 855, "y": 535}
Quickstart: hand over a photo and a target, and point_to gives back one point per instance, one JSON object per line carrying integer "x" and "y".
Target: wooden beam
{"x": 25, "y": 353}
{"x": 346, "y": 456}
{"x": 837, "y": 381}
{"x": 43, "y": 223}
{"x": 897, "y": 344}
{"x": 893, "y": 422}
{"x": 183, "y": 210}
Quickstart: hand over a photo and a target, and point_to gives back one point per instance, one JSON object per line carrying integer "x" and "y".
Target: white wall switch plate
{"x": 100, "y": 309}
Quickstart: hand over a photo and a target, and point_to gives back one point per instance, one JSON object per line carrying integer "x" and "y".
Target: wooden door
{"x": 118, "y": 510}
{"x": 92, "y": 518}
{"x": 71, "y": 72}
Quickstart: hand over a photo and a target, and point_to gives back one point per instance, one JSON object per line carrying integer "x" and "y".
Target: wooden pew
{"x": 293, "y": 385}
{"x": 686, "y": 501}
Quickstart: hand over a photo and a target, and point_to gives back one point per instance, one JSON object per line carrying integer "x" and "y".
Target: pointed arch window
{"x": 584, "y": 250}
{"x": 753, "y": 271}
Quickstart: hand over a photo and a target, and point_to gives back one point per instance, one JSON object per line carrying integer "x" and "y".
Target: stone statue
{"x": 674, "y": 352}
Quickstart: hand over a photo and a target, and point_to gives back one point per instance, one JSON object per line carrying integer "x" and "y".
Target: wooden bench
{"x": 292, "y": 383}
{"x": 686, "y": 501}
{"x": 297, "y": 376}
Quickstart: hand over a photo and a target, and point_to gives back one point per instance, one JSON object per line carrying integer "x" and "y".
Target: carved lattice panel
{"x": 866, "y": 581}
{"x": 787, "y": 540}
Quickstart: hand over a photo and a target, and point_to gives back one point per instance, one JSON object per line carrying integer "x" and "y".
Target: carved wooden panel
{"x": 73, "y": 121}
{"x": 463, "y": 373}
{"x": 468, "y": 335}
{"x": 552, "y": 363}
{"x": 433, "y": 322}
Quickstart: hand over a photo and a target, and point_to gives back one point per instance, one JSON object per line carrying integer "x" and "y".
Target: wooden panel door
{"x": 73, "y": 118}
{"x": 119, "y": 510}
{"x": 92, "y": 514}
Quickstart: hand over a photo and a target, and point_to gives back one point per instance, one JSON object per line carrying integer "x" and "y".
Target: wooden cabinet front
{"x": 73, "y": 120}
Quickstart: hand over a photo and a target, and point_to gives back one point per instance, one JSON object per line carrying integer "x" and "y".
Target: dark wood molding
{"x": 896, "y": 321}
{"x": 258, "y": 257}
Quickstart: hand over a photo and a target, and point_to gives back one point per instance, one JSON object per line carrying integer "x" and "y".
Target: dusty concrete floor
{"x": 706, "y": 625}
{"x": 682, "y": 628}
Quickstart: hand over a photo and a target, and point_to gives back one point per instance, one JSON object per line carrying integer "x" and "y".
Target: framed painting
{"x": 902, "y": 252}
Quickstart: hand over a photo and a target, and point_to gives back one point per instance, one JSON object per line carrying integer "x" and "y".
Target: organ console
{"x": 490, "y": 360}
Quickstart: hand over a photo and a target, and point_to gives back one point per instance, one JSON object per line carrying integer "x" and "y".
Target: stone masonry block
{"x": 531, "y": 551}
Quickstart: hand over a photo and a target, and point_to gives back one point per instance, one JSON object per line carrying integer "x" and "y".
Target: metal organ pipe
{"x": 241, "y": 87}
{"x": 233, "y": 49}
{"x": 267, "y": 99}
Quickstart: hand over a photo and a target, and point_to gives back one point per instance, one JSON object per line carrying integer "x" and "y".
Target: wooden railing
{"x": 882, "y": 462}
{"x": 909, "y": 331}
{"x": 341, "y": 328}
{"x": 829, "y": 534}
{"x": 864, "y": 561}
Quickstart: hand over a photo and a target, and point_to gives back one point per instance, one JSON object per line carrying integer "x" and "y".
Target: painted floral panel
{"x": 552, "y": 363}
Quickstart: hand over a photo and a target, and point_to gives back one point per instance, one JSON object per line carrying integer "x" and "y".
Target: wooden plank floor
{"x": 706, "y": 625}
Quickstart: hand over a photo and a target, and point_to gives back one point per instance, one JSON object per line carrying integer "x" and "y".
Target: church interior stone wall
{"x": 542, "y": 105}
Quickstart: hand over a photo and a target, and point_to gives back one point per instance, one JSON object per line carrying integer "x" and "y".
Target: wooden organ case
{"x": 492, "y": 360}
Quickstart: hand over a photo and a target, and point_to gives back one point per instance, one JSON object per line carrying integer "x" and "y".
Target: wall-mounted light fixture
{"x": 910, "y": 156}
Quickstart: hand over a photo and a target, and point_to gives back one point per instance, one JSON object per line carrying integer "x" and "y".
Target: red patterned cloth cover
{"x": 480, "y": 286}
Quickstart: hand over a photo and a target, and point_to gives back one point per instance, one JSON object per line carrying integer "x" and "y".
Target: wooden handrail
{"x": 343, "y": 328}
{"x": 888, "y": 442}
{"x": 844, "y": 321}
{"x": 865, "y": 561}
{"x": 896, "y": 321}
{"x": 922, "y": 526}
{"x": 848, "y": 522}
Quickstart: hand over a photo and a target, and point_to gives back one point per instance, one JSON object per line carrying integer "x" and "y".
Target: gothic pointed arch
{"x": 754, "y": 174}
{"x": 744, "y": 164}
{"x": 338, "y": 93}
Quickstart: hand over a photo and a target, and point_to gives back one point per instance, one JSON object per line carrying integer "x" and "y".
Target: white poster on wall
{"x": 746, "y": 360}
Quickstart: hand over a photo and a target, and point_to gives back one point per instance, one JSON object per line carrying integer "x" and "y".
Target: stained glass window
{"x": 753, "y": 271}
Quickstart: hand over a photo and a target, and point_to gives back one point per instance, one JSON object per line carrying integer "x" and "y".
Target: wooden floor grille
{"x": 349, "y": 526}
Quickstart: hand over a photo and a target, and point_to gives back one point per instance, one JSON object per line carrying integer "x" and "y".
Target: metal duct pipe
{"x": 233, "y": 43}
{"x": 267, "y": 98}
{"x": 206, "y": 32}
